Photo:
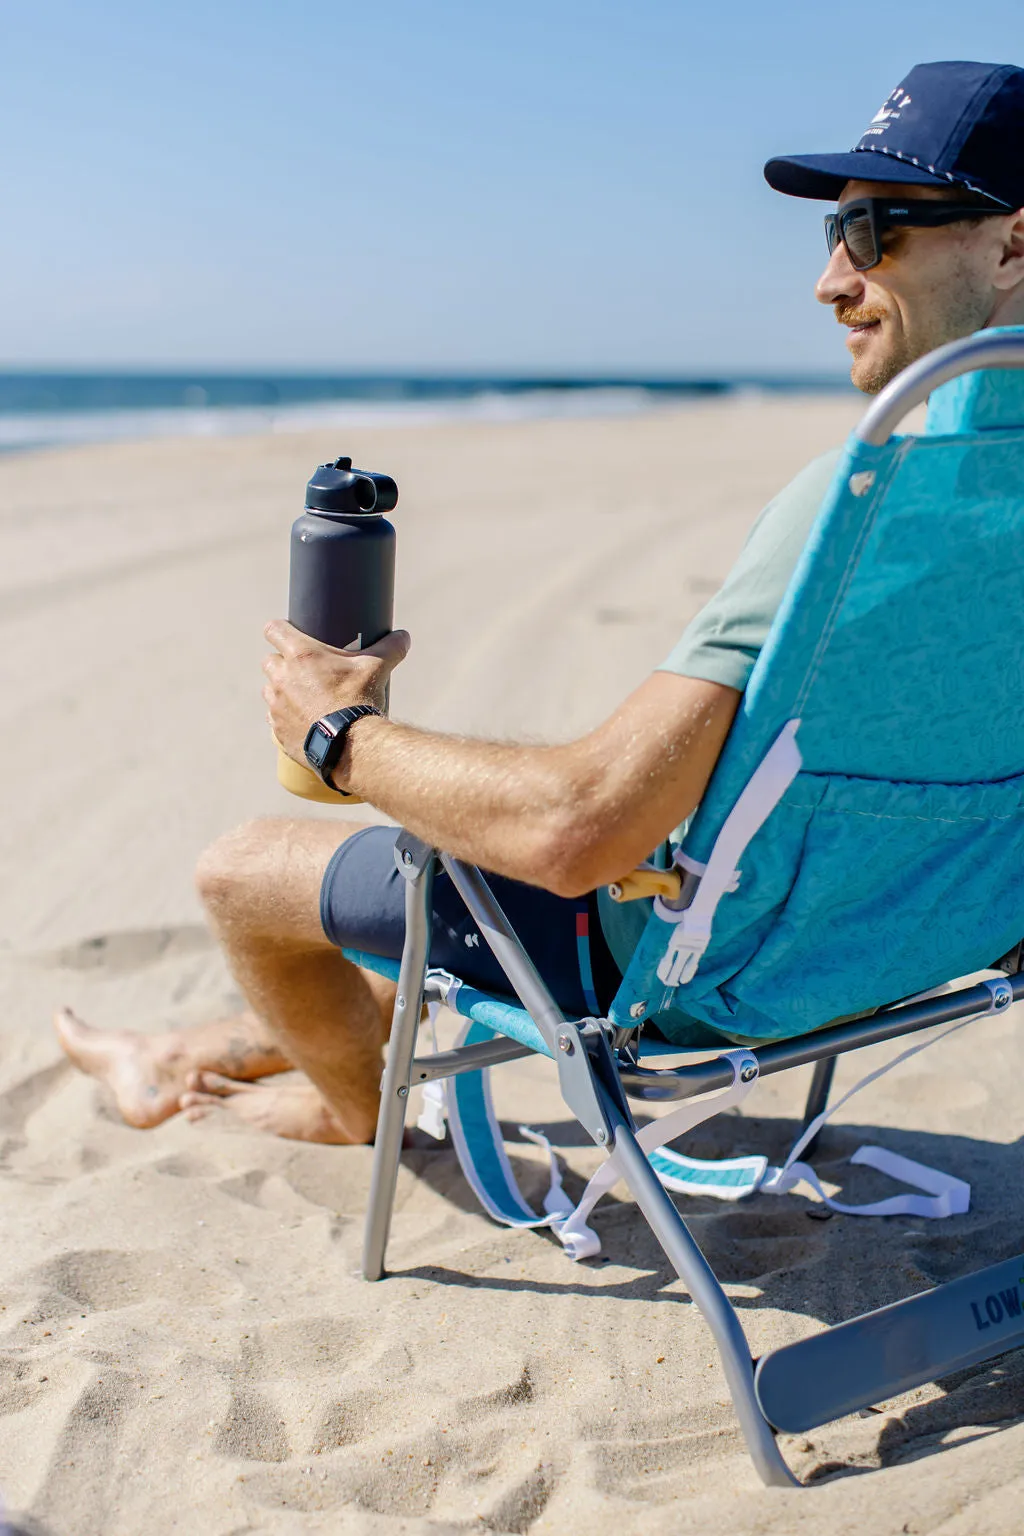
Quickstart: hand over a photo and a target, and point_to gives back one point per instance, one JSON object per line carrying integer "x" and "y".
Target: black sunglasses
{"x": 860, "y": 224}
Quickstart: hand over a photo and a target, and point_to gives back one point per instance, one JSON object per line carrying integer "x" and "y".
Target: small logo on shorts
{"x": 472, "y": 941}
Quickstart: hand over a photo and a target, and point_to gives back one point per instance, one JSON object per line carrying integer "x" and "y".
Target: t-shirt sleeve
{"x": 722, "y": 643}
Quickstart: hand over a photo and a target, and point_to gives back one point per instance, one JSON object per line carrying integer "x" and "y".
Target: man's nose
{"x": 840, "y": 280}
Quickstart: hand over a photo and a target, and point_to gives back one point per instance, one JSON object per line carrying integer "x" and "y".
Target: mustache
{"x": 854, "y": 314}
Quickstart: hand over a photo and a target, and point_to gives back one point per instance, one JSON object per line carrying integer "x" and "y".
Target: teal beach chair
{"x": 860, "y": 846}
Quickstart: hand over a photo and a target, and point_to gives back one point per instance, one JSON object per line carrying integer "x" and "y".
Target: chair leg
{"x": 817, "y": 1098}
{"x": 703, "y": 1285}
{"x": 394, "y": 1096}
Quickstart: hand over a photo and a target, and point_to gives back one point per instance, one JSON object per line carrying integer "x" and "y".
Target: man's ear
{"x": 1010, "y": 272}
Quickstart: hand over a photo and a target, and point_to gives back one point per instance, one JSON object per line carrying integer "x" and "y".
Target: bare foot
{"x": 146, "y": 1073}
{"x": 293, "y": 1109}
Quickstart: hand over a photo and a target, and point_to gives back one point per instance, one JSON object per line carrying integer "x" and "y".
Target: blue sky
{"x": 436, "y": 184}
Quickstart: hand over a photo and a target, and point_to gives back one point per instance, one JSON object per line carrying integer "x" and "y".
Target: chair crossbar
{"x": 467, "y": 1058}
{"x": 687, "y": 1081}
{"x": 882, "y": 1353}
{"x": 516, "y": 1036}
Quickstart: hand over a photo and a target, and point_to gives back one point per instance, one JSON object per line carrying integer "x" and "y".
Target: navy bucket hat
{"x": 953, "y": 124}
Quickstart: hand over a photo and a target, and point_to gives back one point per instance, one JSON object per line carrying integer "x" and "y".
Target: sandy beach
{"x": 185, "y": 1344}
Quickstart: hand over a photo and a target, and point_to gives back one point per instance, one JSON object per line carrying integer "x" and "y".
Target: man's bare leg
{"x": 261, "y": 888}
{"x": 147, "y": 1074}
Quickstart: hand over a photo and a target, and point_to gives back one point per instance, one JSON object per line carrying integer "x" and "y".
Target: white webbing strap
{"x": 481, "y": 1153}
{"x": 582, "y": 1242}
{"x": 695, "y": 868}
{"x": 691, "y": 932}
{"x": 433, "y": 1116}
{"x": 944, "y": 1195}
{"x": 483, "y": 1159}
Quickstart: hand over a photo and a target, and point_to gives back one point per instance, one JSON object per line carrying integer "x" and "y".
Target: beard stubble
{"x": 948, "y": 309}
{"x": 871, "y": 375}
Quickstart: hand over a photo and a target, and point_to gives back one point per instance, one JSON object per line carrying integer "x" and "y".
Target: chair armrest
{"x": 645, "y": 880}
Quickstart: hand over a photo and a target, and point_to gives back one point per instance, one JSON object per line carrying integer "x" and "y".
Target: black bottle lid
{"x": 346, "y": 491}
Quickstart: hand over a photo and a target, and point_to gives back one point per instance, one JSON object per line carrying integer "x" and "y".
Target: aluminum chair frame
{"x": 833, "y": 1373}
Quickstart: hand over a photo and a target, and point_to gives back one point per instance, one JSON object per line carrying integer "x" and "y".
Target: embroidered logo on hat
{"x": 957, "y": 123}
{"x": 891, "y": 108}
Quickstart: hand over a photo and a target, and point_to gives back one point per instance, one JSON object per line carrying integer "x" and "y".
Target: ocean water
{"x": 41, "y": 410}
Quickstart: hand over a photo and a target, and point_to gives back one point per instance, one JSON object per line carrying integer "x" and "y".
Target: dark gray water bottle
{"x": 341, "y": 587}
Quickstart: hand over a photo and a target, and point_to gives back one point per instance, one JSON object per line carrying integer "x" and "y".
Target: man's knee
{"x": 233, "y": 873}
{"x": 265, "y": 877}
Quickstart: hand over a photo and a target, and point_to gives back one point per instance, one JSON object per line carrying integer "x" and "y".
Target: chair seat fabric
{"x": 504, "y": 1018}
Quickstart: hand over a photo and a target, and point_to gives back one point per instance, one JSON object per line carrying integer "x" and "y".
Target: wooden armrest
{"x": 645, "y": 880}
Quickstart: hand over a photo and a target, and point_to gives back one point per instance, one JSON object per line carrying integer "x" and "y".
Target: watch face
{"x": 318, "y": 744}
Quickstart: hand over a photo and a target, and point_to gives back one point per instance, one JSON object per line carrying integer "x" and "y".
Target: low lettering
{"x": 1011, "y": 1301}
{"x": 994, "y": 1308}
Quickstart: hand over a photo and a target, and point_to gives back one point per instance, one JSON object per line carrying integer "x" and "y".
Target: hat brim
{"x": 824, "y": 176}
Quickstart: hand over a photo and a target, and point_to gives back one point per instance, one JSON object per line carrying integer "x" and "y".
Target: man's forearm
{"x": 511, "y": 809}
{"x": 567, "y": 817}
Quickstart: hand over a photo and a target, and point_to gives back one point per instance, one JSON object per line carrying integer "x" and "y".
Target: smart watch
{"x": 325, "y": 739}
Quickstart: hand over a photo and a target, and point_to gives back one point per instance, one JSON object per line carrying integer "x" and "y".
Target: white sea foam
{"x": 45, "y": 429}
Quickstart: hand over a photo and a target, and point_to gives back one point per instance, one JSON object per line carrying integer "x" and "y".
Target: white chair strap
{"x": 691, "y": 932}
{"x": 482, "y": 1156}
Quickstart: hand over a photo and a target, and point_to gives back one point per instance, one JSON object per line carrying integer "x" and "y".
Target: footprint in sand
{"x": 128, "y": 949}
{"x": 351, "y": 1419}
{"x": 23, "y": 1098}
{"x": 20, "y": 1387}
{"x": 252, "y": 1429}
{"x": 107, "y": 1279}
{"x": 90, "y": 1435}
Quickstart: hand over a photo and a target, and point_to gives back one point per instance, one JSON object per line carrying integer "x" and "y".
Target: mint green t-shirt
{"x": 723, "y": 641}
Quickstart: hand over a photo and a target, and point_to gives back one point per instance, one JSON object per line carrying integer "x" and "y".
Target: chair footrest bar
{"x": 883, "y": 1353}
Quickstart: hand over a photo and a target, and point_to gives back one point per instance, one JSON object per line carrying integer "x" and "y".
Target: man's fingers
{"x": 291, "y": 642}
{"x": 392, "y": 649}
{"x": 286, "y": 638}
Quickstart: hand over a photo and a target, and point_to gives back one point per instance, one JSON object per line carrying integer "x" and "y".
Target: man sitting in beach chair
{"x": 926, "y": 246}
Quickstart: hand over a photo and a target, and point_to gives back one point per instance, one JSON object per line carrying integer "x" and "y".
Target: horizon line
{"x": 455, "y": 375}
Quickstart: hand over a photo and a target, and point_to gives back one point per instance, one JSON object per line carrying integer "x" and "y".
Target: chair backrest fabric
{"x": 895, "y": 860}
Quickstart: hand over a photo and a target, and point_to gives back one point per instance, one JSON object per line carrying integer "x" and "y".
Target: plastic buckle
{"x": 684, "y": 951}
{"x": 433, "y": 1116}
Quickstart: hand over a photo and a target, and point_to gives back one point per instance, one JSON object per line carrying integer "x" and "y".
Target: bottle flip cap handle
{"x": 340, "y": 490}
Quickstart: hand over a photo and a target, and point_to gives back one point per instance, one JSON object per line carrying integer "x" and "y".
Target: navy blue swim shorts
{"x": 362, "y": 906}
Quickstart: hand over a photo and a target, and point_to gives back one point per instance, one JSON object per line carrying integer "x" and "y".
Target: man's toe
{"x": 215, "y": 1082}
{"x": 196, "y": 1100}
